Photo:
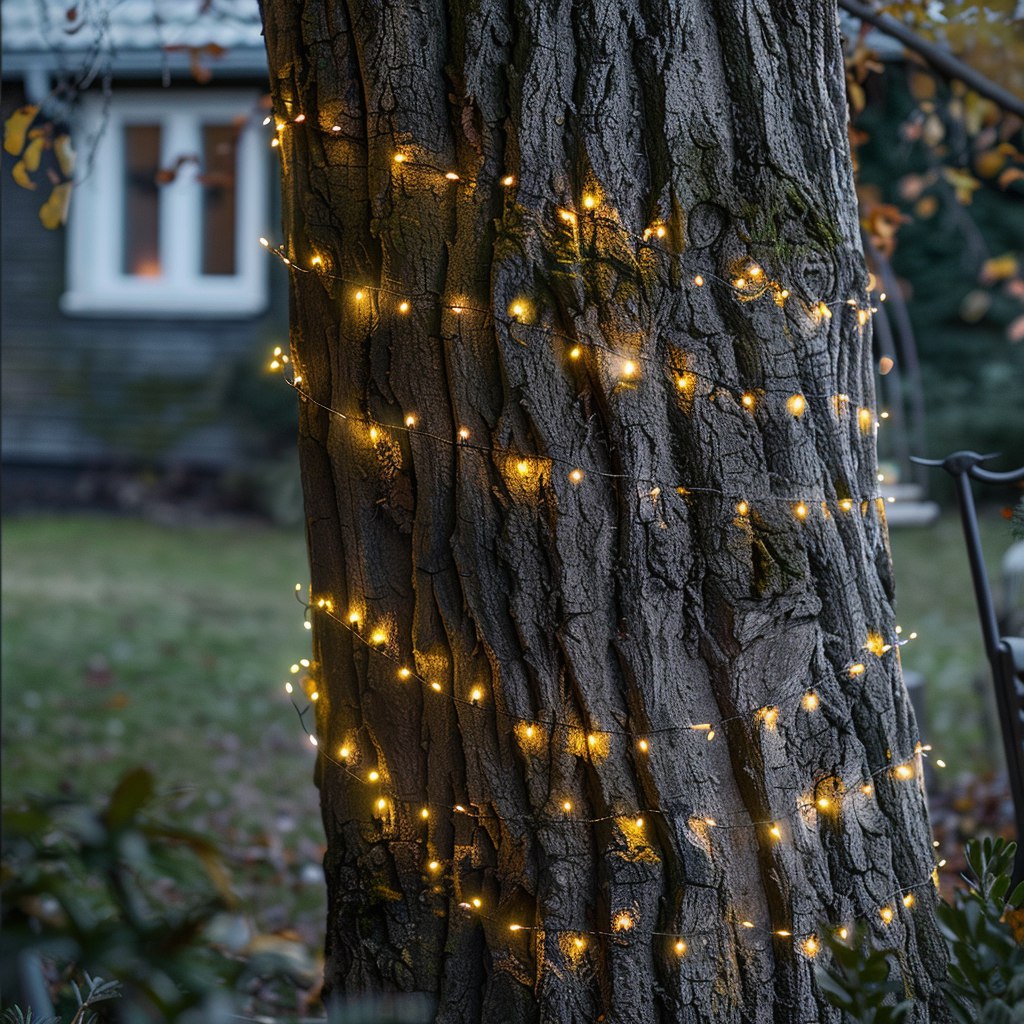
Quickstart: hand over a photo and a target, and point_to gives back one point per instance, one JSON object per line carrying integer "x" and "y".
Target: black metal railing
{"x": 1005, "y": 654}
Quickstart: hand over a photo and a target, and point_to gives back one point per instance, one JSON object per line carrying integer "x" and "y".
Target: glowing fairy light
{"x": 404, "y": 673}
{"x": 508, "y": 180}
{"x": 629, "y": 369}
{"x": 344, "y": 753}
{"x": 643, "y": 746}
{"x": 476, "y": 694}
{"x": 575, "y": 352}
{"x": 403, "y": 307}
{"x": 680, "y": 947}
{"x": 796, "y": 405}
{"x": 312, "y": 740}
{"x": 623, "y": 922}
{"x": 908, "y": 900}
{"x": 452, "y": 176}
{"x": 425, "y": 813}
{"x": 576, "y": 476}
{"x": 742, "y": 508}
{"x": 699, "y": 281}
{"x": 810, "y": 701}
{"x": 410, "y": 421}
{"x": 886, "y": 914}
{"x": 567, "y": 806}
{"x": 463, "y": 433}
{"x": 811, "y": 946}
{"x": 856, "y": 669}
{"x": 800, "y": 510}
{"x": 747, "y": 400}
{"x": 374, "y": 776}
{"x": 400, "y": 158}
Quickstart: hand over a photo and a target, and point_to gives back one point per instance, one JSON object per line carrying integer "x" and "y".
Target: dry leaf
{"x": 33, "y": 153}
{"x": 65, "y": 154}
{"x": 1009, "y": 176}
{"x": 16, "y": 128}
{"x": 54, "y": 212}
{"x": 998, "y": 268}
{"x": 19, "y": 172}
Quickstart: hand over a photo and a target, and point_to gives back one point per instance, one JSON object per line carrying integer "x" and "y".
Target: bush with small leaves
{"x": 984, "y": 929}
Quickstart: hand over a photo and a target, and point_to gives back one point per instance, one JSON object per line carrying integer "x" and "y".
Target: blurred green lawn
{"x": 126, "y": 643}
{"x": 935, "y": 598}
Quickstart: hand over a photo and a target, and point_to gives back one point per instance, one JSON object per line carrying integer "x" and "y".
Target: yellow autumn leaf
{"x": 65, "y": 154}
{"x": 990, "y": 163}
{"x": 16, "y": 128}
{"x": 964, "y": 183}
{"x": 19, "y": 172}
{"x": 33, "y": 153}
{"x": 922, "y": 85}
{"x": 999, "y": 268}
{"x": 54, "y": 211}
{"x": 934, "y": 130}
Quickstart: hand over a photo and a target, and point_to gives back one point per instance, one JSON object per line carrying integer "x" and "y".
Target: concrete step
{"x": 911, "y": 513}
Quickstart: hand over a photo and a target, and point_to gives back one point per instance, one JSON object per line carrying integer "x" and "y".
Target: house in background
{"x": 130, "y": 334}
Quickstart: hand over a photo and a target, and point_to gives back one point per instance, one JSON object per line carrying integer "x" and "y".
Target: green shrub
{"x": 983, "y": 928}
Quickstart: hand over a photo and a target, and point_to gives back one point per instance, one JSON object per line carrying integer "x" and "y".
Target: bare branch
{"x": 942, "y": 61}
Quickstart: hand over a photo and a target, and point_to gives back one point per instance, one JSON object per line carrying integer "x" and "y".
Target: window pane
{"x": 141, "y": 200}
{"x": 220, "y": 143}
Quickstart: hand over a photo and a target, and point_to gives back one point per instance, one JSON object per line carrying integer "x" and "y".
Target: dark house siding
{"x": 132, "y": 392}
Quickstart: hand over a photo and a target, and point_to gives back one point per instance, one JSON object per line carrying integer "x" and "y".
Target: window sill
{"x": 179, "y": 304}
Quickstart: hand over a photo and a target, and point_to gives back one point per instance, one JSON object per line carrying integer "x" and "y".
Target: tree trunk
{"x": 651, "y": 587}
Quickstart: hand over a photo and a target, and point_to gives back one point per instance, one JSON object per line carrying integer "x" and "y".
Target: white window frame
{"x": 96, "y": 282}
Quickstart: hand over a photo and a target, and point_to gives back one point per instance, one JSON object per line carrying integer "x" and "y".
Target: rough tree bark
{"x": 680, "y": 199}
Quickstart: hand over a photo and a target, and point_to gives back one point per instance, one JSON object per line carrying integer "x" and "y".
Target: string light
{"x": 796, "y": 405}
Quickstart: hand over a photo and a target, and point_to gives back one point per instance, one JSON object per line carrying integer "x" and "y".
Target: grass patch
{"x": 128, "y": 643}
{"x": 934, "y": 596}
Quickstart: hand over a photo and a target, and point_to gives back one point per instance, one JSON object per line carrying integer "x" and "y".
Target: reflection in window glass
{"x": 141, "y": 200}
{"x": 218, "y": 181}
